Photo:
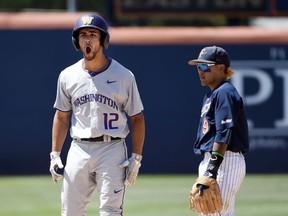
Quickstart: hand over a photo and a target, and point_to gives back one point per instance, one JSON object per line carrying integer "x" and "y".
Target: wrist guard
{"x": 213, "y": 165}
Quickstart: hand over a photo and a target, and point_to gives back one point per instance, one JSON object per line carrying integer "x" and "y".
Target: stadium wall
{"x": 36, "y": 47}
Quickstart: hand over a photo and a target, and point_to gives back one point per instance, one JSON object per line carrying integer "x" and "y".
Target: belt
{"x": 228, "y": 152}
{"x": 97, "y": 139}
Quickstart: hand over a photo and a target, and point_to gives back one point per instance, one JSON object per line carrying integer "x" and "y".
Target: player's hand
{"x": 205, "y": 196}
{"x": 55, "y": 164}
{"x": 133, "y": 164}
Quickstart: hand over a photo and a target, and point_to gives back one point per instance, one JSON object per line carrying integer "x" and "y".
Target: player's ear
{"x": 221, "y": 67}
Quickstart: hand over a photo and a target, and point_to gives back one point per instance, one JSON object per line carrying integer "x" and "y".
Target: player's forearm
{"x": 59, "y": 130}
{"x": 217, "y": 156}
{"x": 219, "y": 147}
{"x": 138, "y": 133}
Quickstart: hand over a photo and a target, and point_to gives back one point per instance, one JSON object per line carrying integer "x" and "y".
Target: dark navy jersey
{"x": 223, "y": 119}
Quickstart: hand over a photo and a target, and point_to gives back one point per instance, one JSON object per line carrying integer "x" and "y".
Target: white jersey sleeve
{"x": 99, "y": 102}
{"x": 63, "y": 100}
{"x": 133, "y": 104}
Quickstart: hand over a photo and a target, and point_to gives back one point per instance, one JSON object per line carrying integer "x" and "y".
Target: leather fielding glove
{"x": 55, "y": 164}
{"x": 205, "y": 196}
{"x": 132, "y": 164}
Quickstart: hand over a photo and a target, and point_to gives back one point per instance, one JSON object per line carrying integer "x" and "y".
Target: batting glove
{"x": 55, "y": 164}
{"x": 133, "y": 164}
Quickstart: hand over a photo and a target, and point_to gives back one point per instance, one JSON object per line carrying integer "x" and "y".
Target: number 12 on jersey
{"x": 109, "y": 118}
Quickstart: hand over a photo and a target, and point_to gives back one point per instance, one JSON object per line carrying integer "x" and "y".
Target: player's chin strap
{"x": 214, "y": 164}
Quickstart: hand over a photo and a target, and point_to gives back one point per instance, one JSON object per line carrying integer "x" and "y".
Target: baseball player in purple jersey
{"x": 98, "y": 93}
{"x": 222, "y": 136}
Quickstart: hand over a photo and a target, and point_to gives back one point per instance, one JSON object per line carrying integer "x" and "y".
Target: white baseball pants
{"x": 230, "y": 176}
{"x": 90, "y": 166}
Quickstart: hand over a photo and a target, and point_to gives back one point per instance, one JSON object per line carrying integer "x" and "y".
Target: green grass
{"x": 152, "y": 195}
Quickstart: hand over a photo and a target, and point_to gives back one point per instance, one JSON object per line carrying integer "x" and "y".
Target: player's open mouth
{"x": 88, "y": 50}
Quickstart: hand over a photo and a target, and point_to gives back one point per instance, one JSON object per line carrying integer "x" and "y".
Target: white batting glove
{"x": 133, "y": 164}
{"x": 55, "y": 164}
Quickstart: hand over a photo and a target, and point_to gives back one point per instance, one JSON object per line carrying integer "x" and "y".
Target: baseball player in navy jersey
{"x": 222, "y": 136}
{"x": 98, "y": 94}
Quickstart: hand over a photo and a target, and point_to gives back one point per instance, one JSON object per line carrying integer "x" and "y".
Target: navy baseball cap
{"x": 212, "y": 55}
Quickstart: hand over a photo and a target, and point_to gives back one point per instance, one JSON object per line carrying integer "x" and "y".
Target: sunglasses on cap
{"x": 205, "y": 67}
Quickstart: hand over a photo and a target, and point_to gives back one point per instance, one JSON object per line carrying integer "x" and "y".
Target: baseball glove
{"x": 205, "y": 196}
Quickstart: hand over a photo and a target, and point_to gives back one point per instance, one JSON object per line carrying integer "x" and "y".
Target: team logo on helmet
{"x": 87, "y": 20}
